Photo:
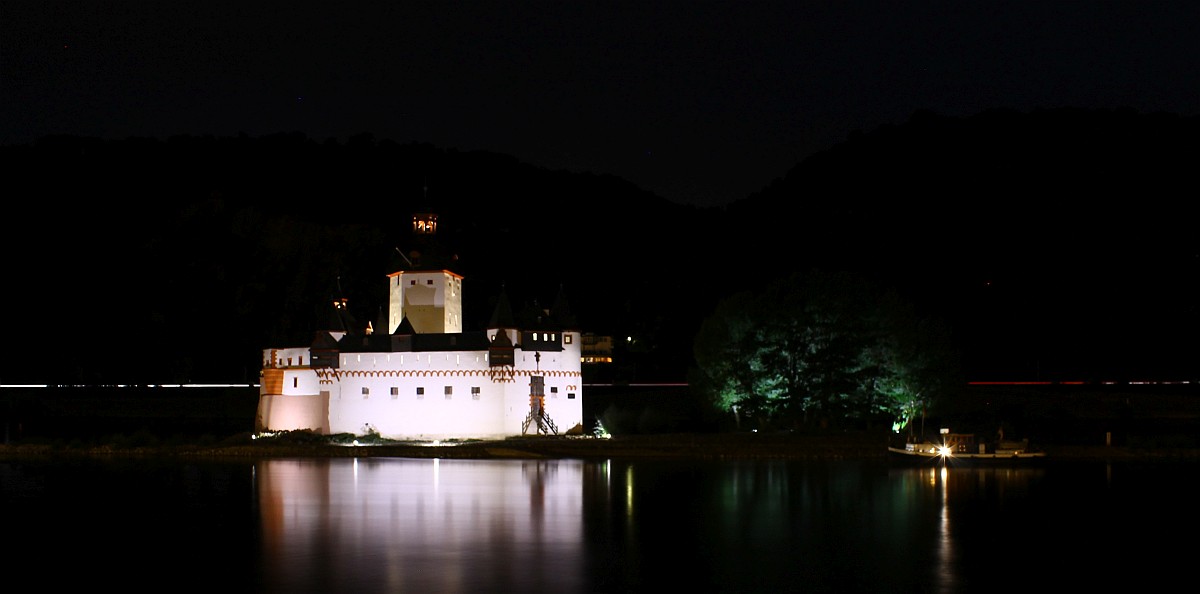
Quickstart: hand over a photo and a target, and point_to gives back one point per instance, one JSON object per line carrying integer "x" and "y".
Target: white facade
{"x": 406, "y": 390}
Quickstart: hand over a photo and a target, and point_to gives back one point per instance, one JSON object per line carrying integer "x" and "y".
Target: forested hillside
{"x": 179, "y": 260}
{"x": 1059, "y": 244}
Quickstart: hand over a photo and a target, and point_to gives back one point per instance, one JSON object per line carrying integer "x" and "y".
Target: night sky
{"x": 700, "y": 102}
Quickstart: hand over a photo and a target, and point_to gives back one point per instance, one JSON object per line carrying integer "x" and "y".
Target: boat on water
{"x": 964, "y": 446}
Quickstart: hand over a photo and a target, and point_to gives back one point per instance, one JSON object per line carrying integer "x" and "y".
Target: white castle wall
{"x": 293, "y": 413}
{"x": 378, "y": 392}
{"x": 289, "y": 357}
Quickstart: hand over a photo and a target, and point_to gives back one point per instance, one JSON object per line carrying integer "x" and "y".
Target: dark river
{"x": 425, "y": 525}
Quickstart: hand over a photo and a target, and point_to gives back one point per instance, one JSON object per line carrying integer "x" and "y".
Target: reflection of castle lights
{"x": 422, "y": 525}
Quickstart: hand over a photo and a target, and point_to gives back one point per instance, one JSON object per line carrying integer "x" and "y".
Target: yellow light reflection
{"x": 947, "y": 579}
{"x": 629, "y": 492}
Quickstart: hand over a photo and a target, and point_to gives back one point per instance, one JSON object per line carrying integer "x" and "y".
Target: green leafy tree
{"x": 818, "y": 333}
{"x": 727, "y": 343}
{"x": 819, "y": 348}
{"x": 911, "y": 363}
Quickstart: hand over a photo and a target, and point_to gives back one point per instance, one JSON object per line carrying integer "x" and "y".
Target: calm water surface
{"x": 416, "y": 525}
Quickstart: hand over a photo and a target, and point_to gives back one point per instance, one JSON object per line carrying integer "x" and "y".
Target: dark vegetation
{"x": 1056, "y": 245}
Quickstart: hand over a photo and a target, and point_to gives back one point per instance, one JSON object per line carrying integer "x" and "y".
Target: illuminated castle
{"x": 424, "y": 377}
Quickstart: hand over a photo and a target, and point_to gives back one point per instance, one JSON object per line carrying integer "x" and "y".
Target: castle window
{"x": 420, "y": 393}
{"x": 295, "y": 382}
{"x": 449, "y": 391}
{"x": 474, "y": 392}
{"x": 366, "y": 391}
{"x": 567, "y": 338}
{"x": 570, "y": 395}
{"x": 395, "y": 391}
{"x": 412, "y": 282}
{"x": 553, "y": 389}
{"x": 429, "y": 282}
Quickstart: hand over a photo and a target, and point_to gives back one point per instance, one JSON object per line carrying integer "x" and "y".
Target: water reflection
{"x": 572, "y": 526}
{"x": 388, "y": 525}
{"x": 837, "y": 526}
{"x": 959, "y": 493}
{"x": 945, "y": 578}
{"x": 421, "y": 525}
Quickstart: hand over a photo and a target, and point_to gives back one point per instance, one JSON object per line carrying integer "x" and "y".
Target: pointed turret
{"x": 402, "y": 338}
{"x": 502, "y": 315}
{"x": 340, "y": 321}
{"x": 501, "y": 329}
{"x": 534, "y": 317}
{"x": 327, "y": 343}
{"x": 560, "y": 313}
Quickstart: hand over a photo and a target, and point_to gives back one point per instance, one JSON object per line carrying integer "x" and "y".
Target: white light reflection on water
{"x": 414, "y": 525}
{"x": 963, "y": 491}
{"x": 945, "y": 573}
{"x": 566, "y": 526}
{"x": 374, "y": 525}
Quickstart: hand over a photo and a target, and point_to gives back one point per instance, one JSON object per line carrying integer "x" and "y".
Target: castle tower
{"x": 427, "y": 292}
{"x": 430, "y": 299}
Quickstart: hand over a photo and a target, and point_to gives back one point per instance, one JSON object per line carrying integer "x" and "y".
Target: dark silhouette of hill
{"x": 1060, "y": 242}
{"x": 1057, "y": 242}
{"x": 147, "y": 260}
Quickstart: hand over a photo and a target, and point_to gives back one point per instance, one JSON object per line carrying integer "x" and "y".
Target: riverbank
{"x": 831, "y": 445}
{"x": 1066, "y": 421}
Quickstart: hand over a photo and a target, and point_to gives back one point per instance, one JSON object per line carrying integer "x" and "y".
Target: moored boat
{"x": 964, "y": 446}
